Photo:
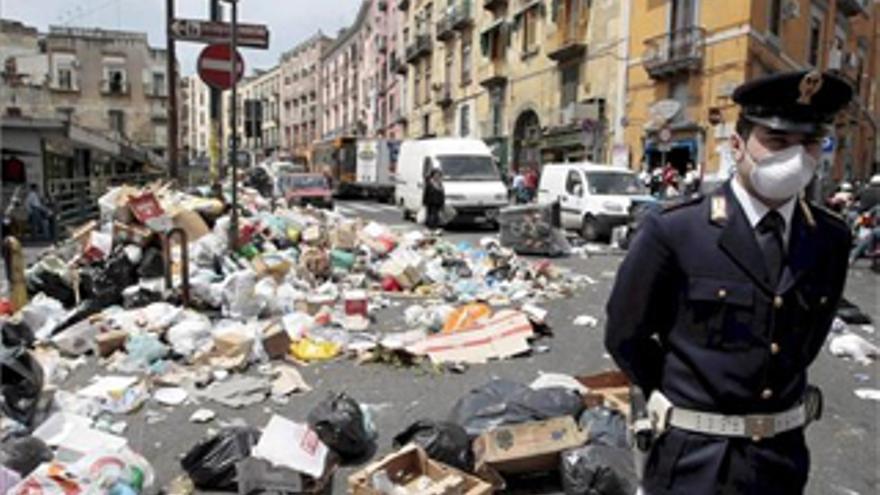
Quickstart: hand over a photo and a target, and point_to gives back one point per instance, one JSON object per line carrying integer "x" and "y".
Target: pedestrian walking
{"x": 38, "y": 214}
{"x": 434, "y": 198}
{"x": 725, "y": 299}
{"x": 531, "y": 183}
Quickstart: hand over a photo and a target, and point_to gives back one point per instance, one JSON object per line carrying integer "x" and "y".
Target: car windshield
{"x": 614, "y": 183}
{"x": 308, "y": 182}
{"x": 467, "y": 167}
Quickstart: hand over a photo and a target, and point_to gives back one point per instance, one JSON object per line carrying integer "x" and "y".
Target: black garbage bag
{"x": 152, "y": 263}
{"x": 605, "y": 426}
{"x": 16, "y": 334}
{"x": 211, "y": 463}
{"x": 851, "y": 313}
{"x": 104, "y": 283}
{"x": 503, "y": 402}
{"x": 51, "y": 284}
{"x": 24, "y": 454}
{"x": 443, "y": 441}
{"x": 139, "y": 297}
{"x": 598, "y": 470}
{"x": 21, "y": 382}
{"x": 340, "y": 424}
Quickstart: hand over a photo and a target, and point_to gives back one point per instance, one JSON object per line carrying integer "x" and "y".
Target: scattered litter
{"x": 203, "y": 416}
{"x": 868, "y": 393}
{"x": 292, "y": 445}
{"x": 855, "y": 347}
{"x": 586, "y": 321}
{"x": 239, "y": 391}
{"x": 170, "y": 396}
{"x": 288, "y": 381}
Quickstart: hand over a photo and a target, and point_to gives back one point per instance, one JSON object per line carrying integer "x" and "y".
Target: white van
{"x": 593, "y": 199}
{"x": 471, "y": 180}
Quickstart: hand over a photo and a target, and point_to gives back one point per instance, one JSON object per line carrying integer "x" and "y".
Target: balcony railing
{"x": 457, "y": 17}
{"x": 852, "y": 8}
{"x": 110, "y": 87}
{"x": 493, "y": 4}
{"x": 567, "y": 44}
{"x": 396, "y": 66}
{"x": 420, "y": 46}
{"x": 493, "y": 73}
{"x": 675, "y": 52}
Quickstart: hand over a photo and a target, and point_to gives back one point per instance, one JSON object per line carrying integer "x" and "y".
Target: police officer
{"x": 724, "y": 300}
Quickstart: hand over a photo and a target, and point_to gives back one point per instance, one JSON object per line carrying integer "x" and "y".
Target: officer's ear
{"x": 738, "y": 146}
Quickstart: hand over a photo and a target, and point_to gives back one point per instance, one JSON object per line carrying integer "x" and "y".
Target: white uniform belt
{"x": 755, "y": 426}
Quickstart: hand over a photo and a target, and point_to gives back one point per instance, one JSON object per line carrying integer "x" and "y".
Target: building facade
{"x": 684, "y": 68}
{"x": 108, "y": 81}
{"x": 537, "y": 80}
{"x": 345, "y": 107}
{"x": 195, "y": 116}
{"x": 300, "y": 105}
{"x": 258, "y": 125}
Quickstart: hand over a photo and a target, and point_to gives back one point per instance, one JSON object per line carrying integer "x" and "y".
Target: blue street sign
{"x": 828, "y": 144}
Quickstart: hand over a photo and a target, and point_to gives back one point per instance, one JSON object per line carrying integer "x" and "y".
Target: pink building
{"x": 300, "y": 104}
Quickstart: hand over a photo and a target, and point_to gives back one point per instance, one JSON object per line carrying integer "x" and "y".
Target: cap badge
{"x": 809, "y": 86}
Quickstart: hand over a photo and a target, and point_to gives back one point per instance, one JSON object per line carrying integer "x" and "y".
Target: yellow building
{"x": 687, "y": 56}
{"x": 538, "y": 80}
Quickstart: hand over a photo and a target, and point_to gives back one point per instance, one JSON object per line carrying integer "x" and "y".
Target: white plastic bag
{"x": 192, "y": 335}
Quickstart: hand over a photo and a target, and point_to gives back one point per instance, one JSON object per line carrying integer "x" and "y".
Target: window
{"x": 466, "y": 59}
{"x": 574, "y": 184}
{"x": 570, "y": 78}
{"x": 426, "y": 125}
{"x": 530, "y": 31}
{"x": 464, "y": 129}
{"x": 65, "y": 78}
{"x": 775, "y": 18}
{"x": 115, "y": 83}
{"x": 117, "y": 121}
{"x": 450, "y": 56}
{"x": 159, "y": 84}
{"x": 417, "y": 78}
{"x": 815, "y": 40}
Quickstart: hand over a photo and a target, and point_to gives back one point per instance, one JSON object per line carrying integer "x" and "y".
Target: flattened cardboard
{"x": 409, "y": 468}
{"x": 504, "y": 335}
{"x": 611, "y": 388}
{"x": 532, "y": 447}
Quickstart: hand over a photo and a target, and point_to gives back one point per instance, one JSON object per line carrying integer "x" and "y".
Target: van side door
{"x": 572, "y": 198}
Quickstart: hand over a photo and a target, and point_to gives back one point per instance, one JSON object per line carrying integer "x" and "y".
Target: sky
{"x": 289, "y": 21}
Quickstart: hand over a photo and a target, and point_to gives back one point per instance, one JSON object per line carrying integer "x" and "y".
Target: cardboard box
{"x": 192, "y": 223}
{"x": 415, "y": 473}
{"x": 145, "y": 207}
{"x": 356, "y": 303}
{"x": 109, "y": 342}
{"x": 344, "y": 236}
{"x": 610, "y": 388}
{"x": 532, "y": 447}
{"x": 276, "y": 341}
{"x": 232, "y": 344}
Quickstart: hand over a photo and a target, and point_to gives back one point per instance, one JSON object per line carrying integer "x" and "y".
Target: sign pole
{"x": 216, "y": 101}
{"x": 170, "y": 68}
{"x": 233, "y": 76}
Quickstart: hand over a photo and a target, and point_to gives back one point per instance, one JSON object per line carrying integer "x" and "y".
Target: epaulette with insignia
{"x": 676, "y": 203}
{"x": 809, "y": 208}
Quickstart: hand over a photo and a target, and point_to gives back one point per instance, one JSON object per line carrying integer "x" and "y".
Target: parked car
{"x": 471, "y": 181}
{"x": 305, "y": 189}
{"x": 593, "y": 198}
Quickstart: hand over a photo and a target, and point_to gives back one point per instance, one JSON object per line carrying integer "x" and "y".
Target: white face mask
{"x": 783, "y": 174}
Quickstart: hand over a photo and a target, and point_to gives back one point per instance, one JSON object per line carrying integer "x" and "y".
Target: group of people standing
{"x": 667, "y": 182}
{"x": 524, "y": 185}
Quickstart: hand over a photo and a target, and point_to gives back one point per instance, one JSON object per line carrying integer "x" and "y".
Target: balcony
{"x": 493, "y": 74}
{"x": 115, "y": 87}
{"x": 852, "y": 8}
{"x": 494, "y": 4}
{"x": 457, "y": 17}
{"x": 395, "y": 66}
{"x": 419, "y": 47}
{"x": 568, "y": 43}
{"x": 403, "y": 5}
{"x": 675, "y": 52}
{"x": 443, "y": 94}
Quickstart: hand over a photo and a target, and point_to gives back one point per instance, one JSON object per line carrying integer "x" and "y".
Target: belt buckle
{"x": 758, "y": 426}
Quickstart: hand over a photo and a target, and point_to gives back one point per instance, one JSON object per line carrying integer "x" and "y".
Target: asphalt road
{"x": 845, "y": 445}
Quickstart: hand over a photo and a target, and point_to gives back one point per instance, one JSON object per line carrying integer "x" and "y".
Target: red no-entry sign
{"x": 215, "y": 66}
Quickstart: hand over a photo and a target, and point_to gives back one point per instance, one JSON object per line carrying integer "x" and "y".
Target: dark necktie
{"x": 770, "y": 232}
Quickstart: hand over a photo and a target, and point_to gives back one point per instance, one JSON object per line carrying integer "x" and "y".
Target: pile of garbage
{"x": 152, "y": 290}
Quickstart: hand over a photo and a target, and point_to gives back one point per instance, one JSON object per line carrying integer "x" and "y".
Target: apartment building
{"x": 538, "y": 80}
{"x": 341, "y": 94}
{"x": 300, "y": 104}
{"x": 195, "y": 115}
{"x": 258, "y": 125}
{"x": 684, "y": 68}
{"x": 108, "y": 81}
